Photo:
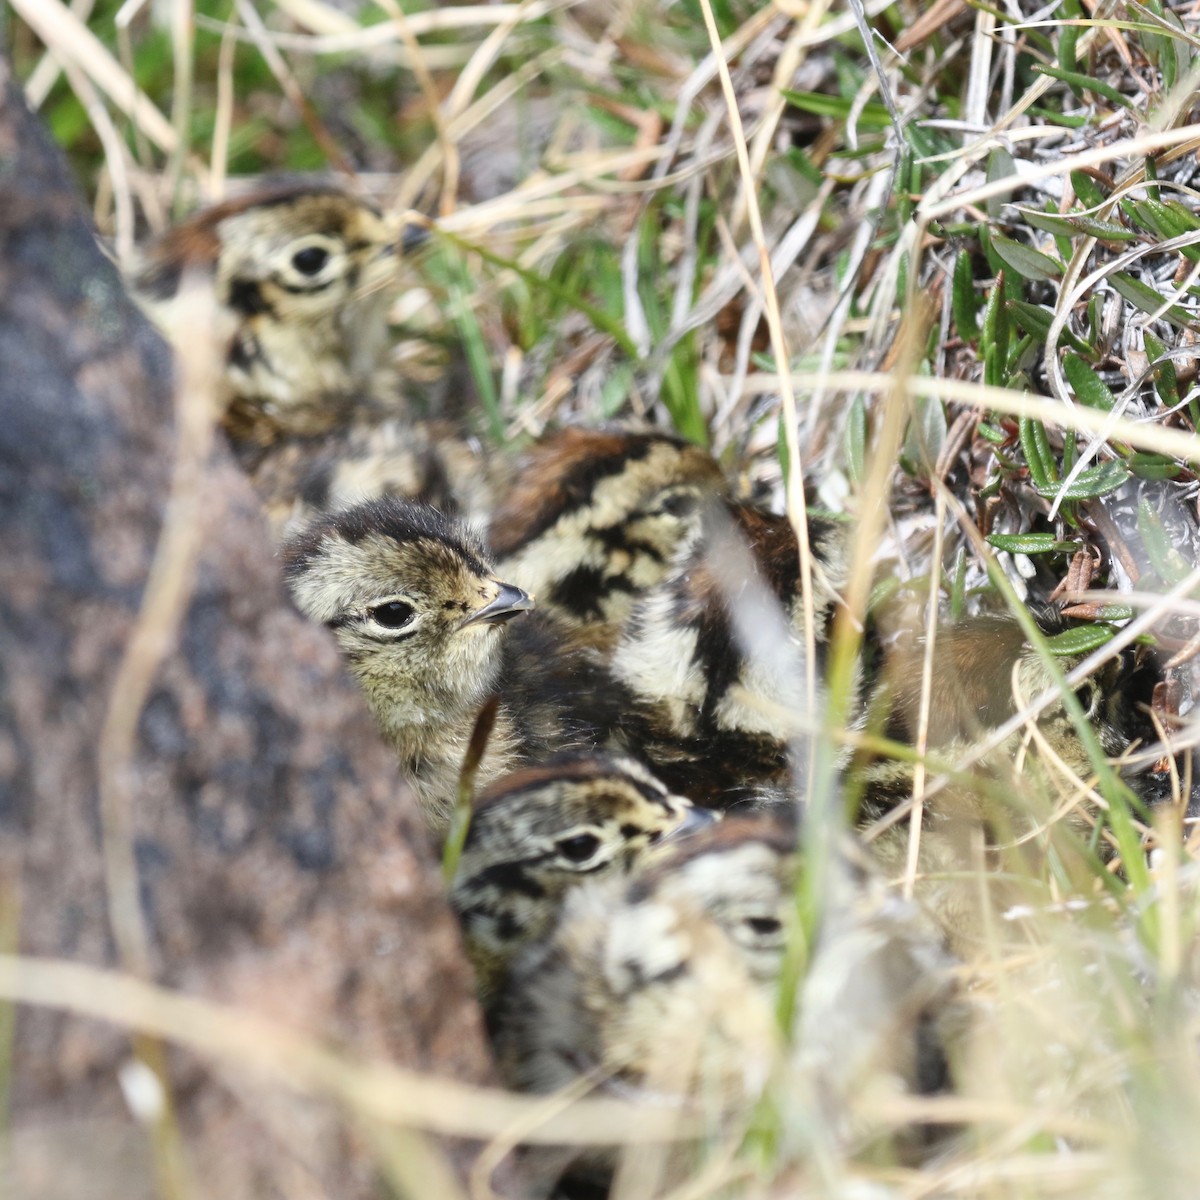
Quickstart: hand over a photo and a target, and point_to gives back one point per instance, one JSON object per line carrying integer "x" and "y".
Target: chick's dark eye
{"x": 395, "y": 614}
{"x": 1089, "y": 696}
{"x": 579, "y": 848}
{"x": 681, "y": 504}
{"x": 764, "y": 926}
{"x": 311, "y": 260}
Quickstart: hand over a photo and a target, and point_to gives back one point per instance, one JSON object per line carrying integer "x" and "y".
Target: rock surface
{"x": 280, "y": 864}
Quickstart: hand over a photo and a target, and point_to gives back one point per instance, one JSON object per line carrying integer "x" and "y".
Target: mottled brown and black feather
{"x": 301, "y": 278}
{"x": 595, "y": 518}
{"x": 545, "y": 829}
{"x": 713, "y": 655}
{"x": 422, "y": 620}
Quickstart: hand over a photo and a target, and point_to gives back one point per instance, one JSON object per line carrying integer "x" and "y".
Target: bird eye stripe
{"x": 653, "y": 792}
{"x": 246, "y": 297}
{"x": 306, "y": 289}
{"x": 511, "y": 877}
{"x": 390, "y": 638}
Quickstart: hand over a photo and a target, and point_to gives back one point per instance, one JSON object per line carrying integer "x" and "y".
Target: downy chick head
{"x": 666, "y": 990}
{"x": 641, "y": 991}
{"x": 596, "y": 517}
{"x": 416, "y": 608}
{"x": 741, "y": 876}
{"x": 305, "y": 275}
{"x": 543, "y": 830}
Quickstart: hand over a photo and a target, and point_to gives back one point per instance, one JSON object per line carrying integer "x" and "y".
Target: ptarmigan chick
{"x": 306, "y": 275}
{"x": 1025, "y": 800}
{"x": 714, "y": 656}
{"x": 420, "y": 617}
{"x": 596, "y": 517}
{"x": 540, "y": 832}
{"x": 665, "y": 990}
{"x": 301, "y": 279}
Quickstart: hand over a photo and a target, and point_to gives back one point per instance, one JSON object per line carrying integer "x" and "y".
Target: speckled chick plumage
{"x": 596, "y": 517}
{"x": 714, "y": 655}
{"x": 307, "y": 274}
{"x": 302, "y": 277}
{"x": 542, "y": 831}
{"x": 420, "y": 617}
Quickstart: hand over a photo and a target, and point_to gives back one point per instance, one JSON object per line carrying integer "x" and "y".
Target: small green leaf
{"x": 856, "y": 439}
{"x": 958, "y": 586}
{"x": 1073, "y": 224}
{"x": 1088, "y": 387}
{"x": 963, "y": 301}
{"x": 1000, "y": 166}
{"x": 994, "y": 341}
{"x": 1067, "y": 120}
{"x": 1043, "y": 470}
{"x": 1076, "y": 80}
{"x": 460, "y": 819}
{"x": 1083, "y": 639}
{"x": 882, "y": 592}
{"x": 1168, "y": 219}
{"x": 1114, "y": 612}
{"x": 1095, "y": 481}
{"x": 1166, "y": 560}
{"x": 1036, "y": 319}
{"x": 1026, "y": 261}
{"x": 1182, "y": 214}
{"x": 871, "y": 115}
{"x": 1047, "y": 222}
{"x": 1152, "y": 466}
{"x": 926, "y": 431}
{"x": 990, "y": 433}
{"x": 1142, "y": 295}
{"x": 1087, "y": 189}
{"x": 1031, "y": 543}
{"x": 1166, "y": 382}
{"x": 1066, "y": 48}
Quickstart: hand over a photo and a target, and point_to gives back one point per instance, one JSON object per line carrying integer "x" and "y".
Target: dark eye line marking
{"x": 246, "y": 297}
{"x": 305, "y": 289}
{"x": 400, "y": 635}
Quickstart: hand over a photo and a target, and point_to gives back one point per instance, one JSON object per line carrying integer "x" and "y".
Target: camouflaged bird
{"x": 595, "y": 518}
{"x": 713, "y": 656}
{"x": 420, "y": 617}
{"x": 1024, "y": 801}
{"x": 307, "y": 274}
{"x": 663, "y": 991}
{"x": 543, "y": 830}
{"x": 302, "y": 277}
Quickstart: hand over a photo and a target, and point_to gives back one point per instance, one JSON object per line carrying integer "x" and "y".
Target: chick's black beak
{"x": 508, "y": 602}
{"x": 695, "y": 820}
{"x": 412, "y": 237}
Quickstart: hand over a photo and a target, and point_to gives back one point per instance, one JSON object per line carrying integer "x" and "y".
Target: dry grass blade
{"x": 376, "y": 1091}
{"x": 1171, "y": 442}
{"x": 63, "y": 32}
{"x": 38, "y": 86}
{"x": 796, "y": 508}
